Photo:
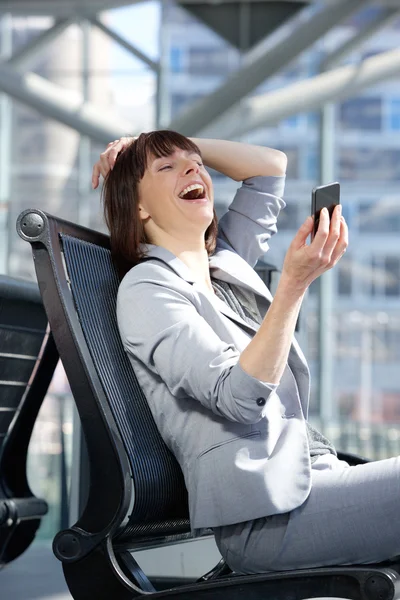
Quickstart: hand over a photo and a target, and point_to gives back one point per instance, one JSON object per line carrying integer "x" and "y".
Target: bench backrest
{"x": 129, "y": 462}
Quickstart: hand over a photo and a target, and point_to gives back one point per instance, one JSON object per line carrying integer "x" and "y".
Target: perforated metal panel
{"x": 22, "y": 328}
{"x": 160, "y": 493}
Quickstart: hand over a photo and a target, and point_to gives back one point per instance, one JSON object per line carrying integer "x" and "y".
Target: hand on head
{"x": 306, "y": 262}
{"x": 108, "y": 158}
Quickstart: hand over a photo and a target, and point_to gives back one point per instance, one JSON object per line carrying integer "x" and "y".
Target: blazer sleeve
{"x": 167, "y": 334}
{"x": 251, "y": 217}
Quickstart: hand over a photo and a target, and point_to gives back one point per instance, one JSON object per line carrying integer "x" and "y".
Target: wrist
{"x": 291, "y": 287}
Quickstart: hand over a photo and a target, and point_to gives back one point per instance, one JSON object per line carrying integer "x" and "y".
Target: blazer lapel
{"x": 232, "y": 268}
{"x": 222, "y": 307}
{"x": 219, "y": 269}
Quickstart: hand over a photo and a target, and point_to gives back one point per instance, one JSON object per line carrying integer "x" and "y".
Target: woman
{"x": 216, "y": 356}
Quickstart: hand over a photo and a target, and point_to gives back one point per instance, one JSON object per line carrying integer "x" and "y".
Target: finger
{"x": 334, "y": 231}
{"x": 319, "y": 241}
{"x": 100, "y": 168}
{"x": 342, "y": 243}
{"x": 117, "y": 147}
{"x": 303, "y": 232}
{"x": 95, "y": 176}
{"x": 104, "y": 163}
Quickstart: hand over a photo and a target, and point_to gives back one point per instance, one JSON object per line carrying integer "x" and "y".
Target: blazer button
{"x": 261, "y": 401}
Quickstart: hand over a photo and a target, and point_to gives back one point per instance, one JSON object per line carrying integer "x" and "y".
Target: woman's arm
{"x": 167, "y": 333}
{"x": 236, "y": 160}
{"x": 266, "y": 355}
{"x": 240, "y": 161}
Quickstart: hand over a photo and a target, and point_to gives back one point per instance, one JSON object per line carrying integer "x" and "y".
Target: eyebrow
{"x": 170, "y": 156}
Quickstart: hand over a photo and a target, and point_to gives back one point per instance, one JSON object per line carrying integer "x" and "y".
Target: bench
{"x": 136, "y": 497}
{"x": 28, "y": 358}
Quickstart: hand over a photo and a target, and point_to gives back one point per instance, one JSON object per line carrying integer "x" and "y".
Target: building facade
{"x": 366, "y": 284}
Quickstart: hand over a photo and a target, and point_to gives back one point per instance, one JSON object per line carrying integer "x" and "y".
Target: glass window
{"x": 391, "y": 410}
{"x": 348, "y": 337}
{"x": 209, "y": 61}
{"x": 382, "y": 215}
{"x": 312, "y": 165}
{"x": 392, "y": 340}
{"x": 292, "y": 153}
{"x": 363, "y": 17}
{"x": 291, "y": 122}
{"x": 176, "y": 59}
{"x": 369, "y": 164}
{"x": 377, "y": 277}
{"x": 394, "y": 114}
{"x": 385, "y": 276}
{"x": 346, "y": 403}
{"x": 392, "y": 268}
{"x": 344, "y": 278}
{"x": 179, "y": 102}
{"x": 361, "y": 113}
{"x": 385, "y": 343}
{"x": 289, "y": 216}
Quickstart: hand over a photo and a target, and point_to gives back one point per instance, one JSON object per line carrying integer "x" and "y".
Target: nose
{"x": 191, "y": 166}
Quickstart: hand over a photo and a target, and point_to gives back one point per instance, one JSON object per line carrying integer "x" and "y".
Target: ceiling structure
{"x": 59, "y": 8}
{"x": 245, "y": 24}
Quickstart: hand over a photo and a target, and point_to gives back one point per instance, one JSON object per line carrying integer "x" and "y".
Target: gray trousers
{"x": 352, "y": 516}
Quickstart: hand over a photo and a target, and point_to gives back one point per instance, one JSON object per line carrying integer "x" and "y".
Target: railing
{"x": 372, "y": 440}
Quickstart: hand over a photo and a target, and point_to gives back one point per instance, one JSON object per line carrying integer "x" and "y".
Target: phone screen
{"x": 324, "y": 196}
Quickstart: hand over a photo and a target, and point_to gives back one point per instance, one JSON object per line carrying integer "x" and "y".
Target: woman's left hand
{"x": 108, "y": 158}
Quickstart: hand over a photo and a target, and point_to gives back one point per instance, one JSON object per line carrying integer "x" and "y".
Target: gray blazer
{"x": 241, "y": 443}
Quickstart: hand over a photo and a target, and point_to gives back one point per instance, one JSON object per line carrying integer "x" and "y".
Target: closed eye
{"x": 165, "y": 167}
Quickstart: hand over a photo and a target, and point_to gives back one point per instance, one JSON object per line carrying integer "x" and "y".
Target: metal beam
{"x": 61, "y": 8}
{"x": 183, "y": 2}
{"x": 304, "y": 96}
{"x": 62, "y": 105}
{"x": 24, "y": 57}
{"x": 257, "y": 69}
{"x": 385, "y": 18}
{"x": 72, "y": 7}
{"x": 124, "y": 43}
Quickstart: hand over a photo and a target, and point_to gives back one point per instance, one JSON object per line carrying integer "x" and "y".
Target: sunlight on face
{"x": 176, "y": 197}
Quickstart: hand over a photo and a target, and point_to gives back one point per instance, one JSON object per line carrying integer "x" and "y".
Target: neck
{"x": 193, "y": 253}
{"x": 198, "y": 264}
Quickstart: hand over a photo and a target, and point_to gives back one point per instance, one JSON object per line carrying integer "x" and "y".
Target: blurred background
{"x": 317, "y": 79}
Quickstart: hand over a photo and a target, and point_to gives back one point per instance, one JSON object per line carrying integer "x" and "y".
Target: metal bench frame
{"x": 96, "y": 551}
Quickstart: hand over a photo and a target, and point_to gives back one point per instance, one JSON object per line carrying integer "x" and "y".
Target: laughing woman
{"x": 216, "y": 356}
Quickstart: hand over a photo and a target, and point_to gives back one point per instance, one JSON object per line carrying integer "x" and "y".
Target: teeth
{"x": 189, "y": 188}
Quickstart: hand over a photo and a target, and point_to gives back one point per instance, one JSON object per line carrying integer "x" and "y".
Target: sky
{"x": 138, "y": 24}
{"x": 133, "y": 82}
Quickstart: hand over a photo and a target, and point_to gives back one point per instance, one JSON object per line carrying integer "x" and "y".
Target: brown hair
{"x": 120, "y": 195}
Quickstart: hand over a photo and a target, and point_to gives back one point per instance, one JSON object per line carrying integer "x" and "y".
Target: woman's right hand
{"x": 108, "y": 157}
{"x": 305, "y": 262}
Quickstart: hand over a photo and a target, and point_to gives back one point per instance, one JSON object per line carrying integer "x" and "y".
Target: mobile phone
{"x": 324, "y": 196}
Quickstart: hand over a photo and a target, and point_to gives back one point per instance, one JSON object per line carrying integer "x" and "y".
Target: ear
{"x": 143, "y": 214}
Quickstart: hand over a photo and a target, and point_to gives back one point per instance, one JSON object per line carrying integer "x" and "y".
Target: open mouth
{"x": 193, "y": 192}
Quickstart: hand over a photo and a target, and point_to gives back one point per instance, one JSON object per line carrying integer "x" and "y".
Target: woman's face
{"x": 176, "y": 196}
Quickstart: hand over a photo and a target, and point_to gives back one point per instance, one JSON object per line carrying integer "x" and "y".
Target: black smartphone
{"x": 324, "y": 196}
